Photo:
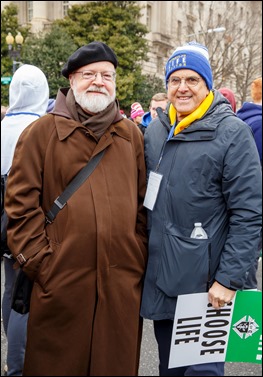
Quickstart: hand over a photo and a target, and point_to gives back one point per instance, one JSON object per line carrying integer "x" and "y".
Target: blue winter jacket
{"x": 146, "y": 120}
{"x": 251, "y": 113}
{"x": 211, "y": 174}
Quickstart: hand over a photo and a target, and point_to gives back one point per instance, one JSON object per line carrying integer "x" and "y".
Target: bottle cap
{"x": 198, "y": 224}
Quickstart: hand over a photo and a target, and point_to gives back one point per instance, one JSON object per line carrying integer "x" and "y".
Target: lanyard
{"x": 168, "y": 138}
{"x": 171, "y": 132}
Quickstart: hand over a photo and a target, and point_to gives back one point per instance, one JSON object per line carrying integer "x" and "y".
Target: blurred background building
{"x": 232, "y": 31}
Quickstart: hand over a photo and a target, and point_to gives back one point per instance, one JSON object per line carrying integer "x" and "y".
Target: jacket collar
{"x": 65, "y": 127}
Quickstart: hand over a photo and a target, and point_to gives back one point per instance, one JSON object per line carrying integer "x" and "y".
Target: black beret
{"x": 91, "y": 53}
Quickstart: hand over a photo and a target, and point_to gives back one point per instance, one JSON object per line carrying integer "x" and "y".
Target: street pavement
{"x": 149, "y": 354}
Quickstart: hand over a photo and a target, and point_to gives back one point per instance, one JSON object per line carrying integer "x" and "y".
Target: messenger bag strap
{"x": 76, "y": 182}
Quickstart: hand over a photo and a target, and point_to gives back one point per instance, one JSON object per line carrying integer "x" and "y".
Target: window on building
{"x": 65, "y": 6}
{"x": 29, "y": 11}
{"x": 149, "y": 17}
{"x": 160, "y": 65}
{"x": 211, "y": 16}
{"x": 179, "y": 29}
{"x": 239, "y": 52}
{"x": 232, "y": 53}
{"x": 247, "y": 17}
{"x": 191, "y": 7}
{"x": 219, "y": 19}
{"x": 201, "y": 10}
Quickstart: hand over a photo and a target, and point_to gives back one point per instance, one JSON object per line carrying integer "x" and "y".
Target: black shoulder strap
{"x": 76, "y": 182}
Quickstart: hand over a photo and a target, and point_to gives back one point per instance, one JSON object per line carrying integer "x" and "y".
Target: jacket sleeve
{"x": 242, "y": 190}
{"x": 26, "y": 227}
{"x": 141, "y": 227}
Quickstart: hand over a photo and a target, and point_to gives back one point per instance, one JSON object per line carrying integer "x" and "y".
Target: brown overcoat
{"x": 88, "y": 265}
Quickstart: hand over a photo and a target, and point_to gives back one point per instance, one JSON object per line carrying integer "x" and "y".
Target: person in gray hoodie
{"x": 28, "y": 101}
{"x": 207, "y": 167}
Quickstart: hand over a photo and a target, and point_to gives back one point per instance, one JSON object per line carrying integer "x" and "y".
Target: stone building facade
{"x": 172, "y": 23}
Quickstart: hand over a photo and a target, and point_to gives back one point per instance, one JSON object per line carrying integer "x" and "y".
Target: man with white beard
{"x": 88, "y": 264}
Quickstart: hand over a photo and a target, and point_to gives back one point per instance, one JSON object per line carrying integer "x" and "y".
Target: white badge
{"x": 152, "y": 190}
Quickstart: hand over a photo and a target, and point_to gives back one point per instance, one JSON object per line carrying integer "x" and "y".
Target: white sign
{"x": 202, "y": 334}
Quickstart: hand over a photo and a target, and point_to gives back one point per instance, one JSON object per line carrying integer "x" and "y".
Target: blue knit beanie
{"x": 192, "y": 56}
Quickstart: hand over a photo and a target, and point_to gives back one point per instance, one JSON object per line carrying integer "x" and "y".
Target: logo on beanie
{"x": 177, "y": 61}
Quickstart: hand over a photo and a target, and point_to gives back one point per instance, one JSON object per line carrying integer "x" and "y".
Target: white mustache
{"x": 97, "y": 89}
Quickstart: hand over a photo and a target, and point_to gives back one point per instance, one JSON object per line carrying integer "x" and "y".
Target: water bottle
{"x": 198, "y": 231}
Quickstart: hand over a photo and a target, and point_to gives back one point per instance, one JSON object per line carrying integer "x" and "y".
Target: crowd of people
{"x": 121, "y": 250}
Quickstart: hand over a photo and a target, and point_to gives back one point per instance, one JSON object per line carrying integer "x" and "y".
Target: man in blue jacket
{"x": 158, "y": 100}
{"x": 202, "y": 166}
{"x": 251, "y": 113}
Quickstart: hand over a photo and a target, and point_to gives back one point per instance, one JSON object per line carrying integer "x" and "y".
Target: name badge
{"x": 152, "y": 190}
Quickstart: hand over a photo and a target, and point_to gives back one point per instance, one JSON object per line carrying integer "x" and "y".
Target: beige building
{"x": 226, "y": 27}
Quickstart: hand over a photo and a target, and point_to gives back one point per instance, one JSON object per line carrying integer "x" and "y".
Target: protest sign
{"x": 202, "y": 334}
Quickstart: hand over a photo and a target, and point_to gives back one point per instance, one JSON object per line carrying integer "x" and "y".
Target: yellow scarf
{"x": 197, "y": 114}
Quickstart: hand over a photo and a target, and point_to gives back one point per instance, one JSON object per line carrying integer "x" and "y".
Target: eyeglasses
{"x": 191, "y": 81}
{"x": 91, "y": 75}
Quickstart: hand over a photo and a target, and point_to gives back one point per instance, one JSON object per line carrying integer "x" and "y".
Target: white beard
{"x": 91, "y": 103}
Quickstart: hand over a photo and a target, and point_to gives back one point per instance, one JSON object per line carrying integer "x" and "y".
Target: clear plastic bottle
{"x": 198, "y": 231}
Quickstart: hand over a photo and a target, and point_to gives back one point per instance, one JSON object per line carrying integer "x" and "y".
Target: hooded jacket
{"x": 251, "y": 113}
{"x": 211, "y": 174}
{"x": 230, "y": 96}
{"x": 88, "y": 265}
{"x": 28, "y": 100}
{"x": 146, "y": 120}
